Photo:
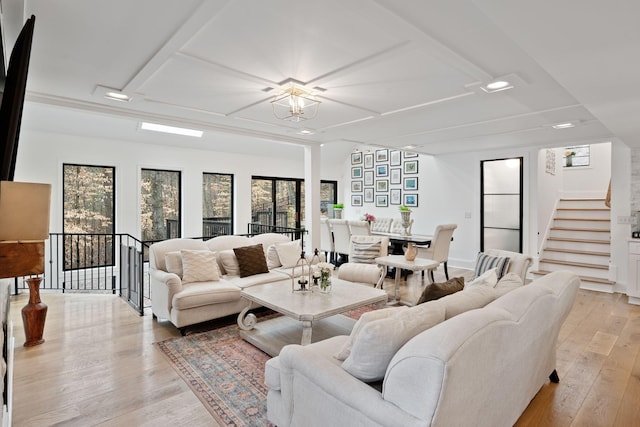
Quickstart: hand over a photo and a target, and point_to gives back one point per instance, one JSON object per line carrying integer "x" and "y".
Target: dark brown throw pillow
{"x": 251, "y": 260}
{"x": 439, "y": 290}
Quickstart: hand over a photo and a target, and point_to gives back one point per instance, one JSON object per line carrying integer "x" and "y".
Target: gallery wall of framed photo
{"x": 384, "y": 177}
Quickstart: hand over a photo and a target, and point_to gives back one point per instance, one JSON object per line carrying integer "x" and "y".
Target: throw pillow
{"x": 251, "y": 260}
{"x": 273, "y": 261}
{"x": 510, "y": 280}
{"x": 289, "y": 253}
{"x": 486, "y": 262}
{"x": 229, "y": 262}
{"x": 173, "y": 261}
{"x": 365, "y": 252}
{"x": 438, "y": 290}
{"x": 366, "y": 318}
{"x": 378, "y": 341}
{"x": 488, "y": 278}
{"x": 199, "y": 266}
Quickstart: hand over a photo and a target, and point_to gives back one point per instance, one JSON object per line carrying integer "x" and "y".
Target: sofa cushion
{"x": 486, "y": 262}
{"x": 288, "y": 253}
{"x": 227, "y": 243}
{"x": 173, "y": 261}
{"x": 273, "y": 261}
{"x": 364, "y": 319}
{"x": 199, "y": 294}
{"x": 199, "y": 266}
{"x": 268, "y": 239}
{"x": 438, "y": 290}
{"x": 259, "y": 279}
{"x": 488, "y": 278}
{"x": 379, "y": 340}
{"x": 468, "y": 299}
{"x": 365, "y": 252}
{"x": 229, "y": 262}
{"x": 251, "y": 260}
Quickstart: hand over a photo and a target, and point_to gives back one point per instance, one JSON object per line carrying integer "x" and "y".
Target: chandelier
{"x": 295, "y": 104}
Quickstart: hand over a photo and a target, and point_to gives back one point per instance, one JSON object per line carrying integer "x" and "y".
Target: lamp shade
{"x": 24, "y": 211}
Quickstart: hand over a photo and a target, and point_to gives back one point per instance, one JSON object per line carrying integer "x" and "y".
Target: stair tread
{"x": 583, "y": 278}
{"x": 578, "y": 252}
{"x": 582, "y": 199}
{"x": 565, "y": 239}
{"x": 582, "y": 219}
{"x": 584, "y": 209}
{"x": 595, "y": 230}
{"x": 575, "y": 264}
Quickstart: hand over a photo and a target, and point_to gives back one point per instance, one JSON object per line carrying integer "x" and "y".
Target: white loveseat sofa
{"x": 186, "y": 303}
{"x": 479, "y": 368}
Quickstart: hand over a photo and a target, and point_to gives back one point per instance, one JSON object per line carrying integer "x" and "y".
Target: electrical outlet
{"x": 467, "y": 215}
{"x": 624, "y": 220}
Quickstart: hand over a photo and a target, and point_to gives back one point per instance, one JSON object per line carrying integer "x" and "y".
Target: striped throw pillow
{"x": 486, "y": 262}
{"x": 365, "y": 252}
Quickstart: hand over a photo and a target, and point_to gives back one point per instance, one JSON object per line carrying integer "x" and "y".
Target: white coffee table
{"x": 400, "y": 262}
{"x": 304, "y": 312}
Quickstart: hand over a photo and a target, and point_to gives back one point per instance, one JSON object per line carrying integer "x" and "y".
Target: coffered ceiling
{"x": 387, "y": 73}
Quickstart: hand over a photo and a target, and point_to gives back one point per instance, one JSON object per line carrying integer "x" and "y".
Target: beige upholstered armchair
{"x": 439, "y": 248}
{"x": 362, "y": 268}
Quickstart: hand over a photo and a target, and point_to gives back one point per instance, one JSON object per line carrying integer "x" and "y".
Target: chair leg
{"x": 554, "y": 378}
{"x": 446, "y": 270}
{"x": 433, "y": 280}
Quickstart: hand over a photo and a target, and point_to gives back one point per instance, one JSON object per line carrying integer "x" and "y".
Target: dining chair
{"x": 439, "y": 248}
{"x": 341, "y": 238}
{"x": 326, "y": 239}
{"x": 381, "y": 225}
{"x": 362, "y": 268}
{"x": 398, "y": 228}
{"x": 359, "y": 228}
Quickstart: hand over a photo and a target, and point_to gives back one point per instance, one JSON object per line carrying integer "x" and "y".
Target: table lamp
{"x": 24, "y": 226}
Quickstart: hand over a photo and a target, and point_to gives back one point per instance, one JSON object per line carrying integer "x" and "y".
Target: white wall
{"x": 41, "y": 156}
{"x": 449, "y": 192}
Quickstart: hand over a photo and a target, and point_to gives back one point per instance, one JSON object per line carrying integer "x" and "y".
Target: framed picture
{"x": 382, "y": 155}
{"x": 409, "y": 154}
{"x": 356, "y": 158}
{"x": 395, "y": 176}
{"x": 368, "y": 177}
{"x": 368, "y": 161}
{"x": 395, "y": 197}
{"x": 368, "y": 195}
{"x": 356, "y": 200}
{"x": 382, "y": 170}
{"x": 356, "y": 186}
{"x": 382, "y": 200}
{"x": 382, "y": 185}
{"x": 356, "y": 172}
{"x": 410, "y": 183}
{"x": 410, "y": 166}
{"x": 394, "y": 158}
{"x": 411, "y": 200}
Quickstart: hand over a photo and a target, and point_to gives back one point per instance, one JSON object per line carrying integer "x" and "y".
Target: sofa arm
{"x": 318, "y": 392}
{"x": 163, "y": 287}
{"x": 358, "y": 272}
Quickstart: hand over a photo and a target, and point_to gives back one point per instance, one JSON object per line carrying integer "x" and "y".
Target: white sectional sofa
{"x": 205, "y": 295}
{"x": 481, "y": 367}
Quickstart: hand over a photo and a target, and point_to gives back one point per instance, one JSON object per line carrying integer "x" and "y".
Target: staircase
{"x": 579, "y": 240}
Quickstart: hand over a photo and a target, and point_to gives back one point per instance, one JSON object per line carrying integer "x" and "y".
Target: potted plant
{"x": 569, "y": 157}
{"x": 337, "y": 210}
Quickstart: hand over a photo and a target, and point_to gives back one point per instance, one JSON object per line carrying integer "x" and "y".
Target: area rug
{"x": 226, "y": 372}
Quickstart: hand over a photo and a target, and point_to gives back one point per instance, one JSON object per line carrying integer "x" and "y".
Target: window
{"x": 217, "y": 204}
{"x": 160, "y": 204}
{"x": 88, "y": 215}
{"x": 328, "y": 196}
{"x": 578, "y": 155}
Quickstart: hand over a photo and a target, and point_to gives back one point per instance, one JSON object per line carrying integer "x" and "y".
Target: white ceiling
{"x": 394, "y": 73}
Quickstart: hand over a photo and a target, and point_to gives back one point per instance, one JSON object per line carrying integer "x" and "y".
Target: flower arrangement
{"x": 323, "y": 272}
{"x": 404, "y": 208}
{"x": 338, "y": 206}
{"x": 368, "y": 217}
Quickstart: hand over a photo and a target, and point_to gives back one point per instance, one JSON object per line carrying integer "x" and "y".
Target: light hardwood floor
{"x": 99, "y": 366}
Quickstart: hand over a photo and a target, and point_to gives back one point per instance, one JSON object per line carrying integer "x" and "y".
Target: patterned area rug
{"x": 226, "y": 372}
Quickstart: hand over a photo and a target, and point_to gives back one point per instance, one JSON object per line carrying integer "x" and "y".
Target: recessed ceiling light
{"x": 566, "y": 125}
{"x": 305, "y": 132}
{"x": 408, "y": 147}
{"x": 497, "y": 86}
{"x": 171, "y": 129}
{"x": 117, "y": 96}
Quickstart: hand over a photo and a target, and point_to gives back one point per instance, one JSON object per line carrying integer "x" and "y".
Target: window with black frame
{"x": 217, "y": 204}
{"x": 160, "y": 197}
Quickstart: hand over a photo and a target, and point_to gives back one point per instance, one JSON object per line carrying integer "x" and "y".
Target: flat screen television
{"x": 13, "y": 100}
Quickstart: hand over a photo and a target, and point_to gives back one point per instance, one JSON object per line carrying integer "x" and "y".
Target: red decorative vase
{"x": 34, "y": 314}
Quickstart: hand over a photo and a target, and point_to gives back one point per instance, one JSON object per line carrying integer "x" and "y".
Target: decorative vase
{"x": 411, "y": 252}
{"x": 406, "y": 221}
{"x": 337, "y": 213}
{"x": 34, "y": 314}
{"x": 325, "y": 283}
{"x": 569, "y": 160}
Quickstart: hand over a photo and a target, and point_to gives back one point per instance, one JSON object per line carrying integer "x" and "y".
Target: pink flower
{"x": 368, "y": 217}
